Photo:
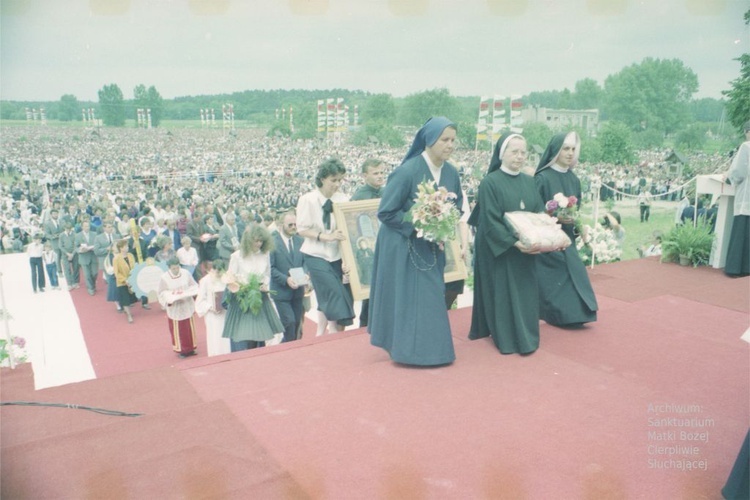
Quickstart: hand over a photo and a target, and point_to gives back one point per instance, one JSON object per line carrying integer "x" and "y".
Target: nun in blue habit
{"x": 407, "y": 312}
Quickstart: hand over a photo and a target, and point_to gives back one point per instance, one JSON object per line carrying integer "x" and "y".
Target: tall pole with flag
{"x": 516, "y": 121}
{"x": 498, "y": 118}
{"x": 484, "y": 110}
{"x": 321, "y": 116}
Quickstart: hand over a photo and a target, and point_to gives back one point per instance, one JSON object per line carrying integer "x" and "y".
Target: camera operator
{"x": 612, "y": 222}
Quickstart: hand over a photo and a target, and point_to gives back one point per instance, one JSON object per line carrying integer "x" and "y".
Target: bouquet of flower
{"x": 562, "y": 207}
{"x": 599, "y": 242}
{"x": 15, "y": 348}
{"x": 434, "y": 214}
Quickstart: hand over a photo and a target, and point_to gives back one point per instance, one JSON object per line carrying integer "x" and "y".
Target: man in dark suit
{"x": 86, "y": 258}
{"x": 288, "y": 293}
{"x": 229, "y": 239}
{"x": 69, "y": 259}
{"x": 52, "y": 229}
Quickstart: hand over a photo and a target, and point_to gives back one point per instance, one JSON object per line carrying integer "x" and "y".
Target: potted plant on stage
{"x": 688, "y": 244}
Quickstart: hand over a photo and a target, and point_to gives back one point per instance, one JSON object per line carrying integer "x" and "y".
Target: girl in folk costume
{"x": 566, "y": 296}
{"x": 250, "y": 266}
{"x": 208, "y": 306}
{"x": 176, "y": 291}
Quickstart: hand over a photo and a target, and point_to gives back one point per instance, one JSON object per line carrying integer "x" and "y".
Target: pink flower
{"x": 551, "y": 206}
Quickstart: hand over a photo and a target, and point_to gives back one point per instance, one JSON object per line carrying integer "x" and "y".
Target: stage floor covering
{"x": 660, "y": 381}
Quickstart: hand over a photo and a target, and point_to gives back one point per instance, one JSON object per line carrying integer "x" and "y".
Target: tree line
{"x": 641, "y": 105}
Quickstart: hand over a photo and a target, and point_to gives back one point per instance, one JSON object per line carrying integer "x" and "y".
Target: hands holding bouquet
{"x": 434, "y": 214}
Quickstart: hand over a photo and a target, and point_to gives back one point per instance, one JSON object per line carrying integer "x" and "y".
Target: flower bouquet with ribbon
{"x": 434, "y": 214}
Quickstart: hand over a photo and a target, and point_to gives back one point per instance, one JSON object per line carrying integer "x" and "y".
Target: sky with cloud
{"x": 471, "y": 47}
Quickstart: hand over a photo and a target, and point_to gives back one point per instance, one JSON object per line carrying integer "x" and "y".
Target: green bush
{"x": 685, "y": 240}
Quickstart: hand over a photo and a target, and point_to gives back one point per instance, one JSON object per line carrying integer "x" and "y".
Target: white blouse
{"x": 310, "y": 216}
{"x": 257, "y": 263}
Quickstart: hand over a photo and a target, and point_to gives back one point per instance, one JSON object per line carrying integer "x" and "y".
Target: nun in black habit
{"x": 506, "y": 296}
{"x": 566, "y": 298}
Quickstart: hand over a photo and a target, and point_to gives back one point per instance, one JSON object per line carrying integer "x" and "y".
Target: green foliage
{"x": 652, "y": 94}
{"x": 380, "y": 132}
{"x": 279, "y": 129}
{"x": 648, "y": 139}
{"x": 706, "y": 110}
{"x": 379, "y": 108}
{"x": 738, "y": 97}
{"x": 112, "y": 106}
{"x": 616, "y": 144}
{"x": 588, "y": 94}
{"x": 693, "y": 242}
{"x": 417, "y": 108}
{"x": 466, "y": 133}
{"x": 692, "y": 138}
{"x": 249, "y": 296}
{"x": 537, "y": 134}
{"x": 69, "y": 108}
{"x": 305, "y": 120}
{"x": 149, "y": 99}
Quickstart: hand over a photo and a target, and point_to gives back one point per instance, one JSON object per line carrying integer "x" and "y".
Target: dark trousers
{"x": 71, "y": 270}
{"x": 37, "y": 273}
{"x": 645, "y": 212}
{"x": 364, "y": 313}
{"x": 290, "y": 314}
{"x": 90, "y": 272}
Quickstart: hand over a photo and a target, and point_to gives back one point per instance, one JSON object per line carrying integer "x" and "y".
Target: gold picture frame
{"x": 358, "y": 220}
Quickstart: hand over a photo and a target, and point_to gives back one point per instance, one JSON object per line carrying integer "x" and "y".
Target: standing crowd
{"x": 245, "y": 233}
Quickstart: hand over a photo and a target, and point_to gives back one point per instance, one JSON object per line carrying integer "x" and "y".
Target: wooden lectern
{"x": 715, "y": 185}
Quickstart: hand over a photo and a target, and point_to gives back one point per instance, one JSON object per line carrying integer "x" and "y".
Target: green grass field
{"x": 637, "y": 233}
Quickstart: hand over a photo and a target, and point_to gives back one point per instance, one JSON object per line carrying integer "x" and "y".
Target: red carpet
{"x": 335, "y": 418}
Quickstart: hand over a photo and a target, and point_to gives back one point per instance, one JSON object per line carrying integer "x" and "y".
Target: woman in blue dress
{"x": 407, "y": 292}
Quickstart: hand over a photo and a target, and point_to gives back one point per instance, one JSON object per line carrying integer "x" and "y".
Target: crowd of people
{"x": 242, "y": 224}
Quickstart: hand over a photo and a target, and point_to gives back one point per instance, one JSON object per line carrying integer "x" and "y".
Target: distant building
{"x": 675, "y": 162}
{"x": 563, "y": 119}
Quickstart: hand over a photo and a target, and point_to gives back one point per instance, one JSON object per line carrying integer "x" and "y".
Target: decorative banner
{"x": 498, "y": 117}
{"x": 515, "y": 114}
{"x": 321, "y": 116}
{"x": 330, "y": 114}
{"x": 484, "y": 110}
{"x": 144, "y": 278}
{"x": 340, "y": 119}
